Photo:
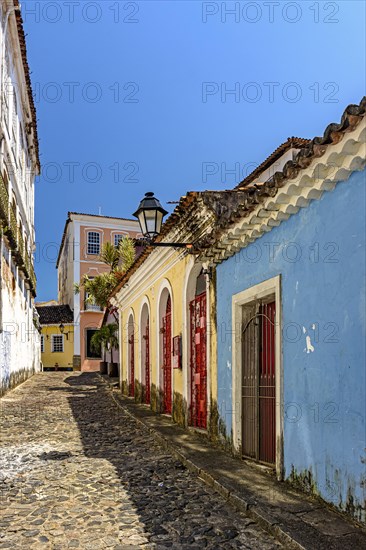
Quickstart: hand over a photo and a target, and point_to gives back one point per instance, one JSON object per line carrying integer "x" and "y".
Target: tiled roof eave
{"x": 294, "y": 188}
{"x": 102, "y": 216}
{"x": 291, "y": 143}
{"x": 55, "y": 315}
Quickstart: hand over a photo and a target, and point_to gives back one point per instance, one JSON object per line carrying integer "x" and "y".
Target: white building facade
{"x": 19, "y": 164}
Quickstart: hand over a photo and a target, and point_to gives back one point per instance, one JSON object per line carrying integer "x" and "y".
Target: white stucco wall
{"x": 19, "y": 339}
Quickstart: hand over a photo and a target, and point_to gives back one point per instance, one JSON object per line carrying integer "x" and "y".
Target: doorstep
{"x": 294, "y": 518}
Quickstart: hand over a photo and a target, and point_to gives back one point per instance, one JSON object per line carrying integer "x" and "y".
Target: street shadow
{"x": 146, "y": 473}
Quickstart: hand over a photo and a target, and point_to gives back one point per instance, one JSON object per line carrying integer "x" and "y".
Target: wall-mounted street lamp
{"x": 62, "y": 330}
{"x": 150, "y": 215}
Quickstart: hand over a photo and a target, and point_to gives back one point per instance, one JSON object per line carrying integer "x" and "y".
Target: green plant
{"x": 119, "y": 260}
{"x": 105, "y": 338}
{"x": 111, "y": 332}
{"x": 97, "y": 342}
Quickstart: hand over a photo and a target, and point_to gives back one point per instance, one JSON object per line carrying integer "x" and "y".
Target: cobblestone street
{"x": 78, "y": 472}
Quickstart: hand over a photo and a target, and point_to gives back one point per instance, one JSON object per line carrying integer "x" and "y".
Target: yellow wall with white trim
{"x": 173, "y": 272}
{"x": 50, "y": 358}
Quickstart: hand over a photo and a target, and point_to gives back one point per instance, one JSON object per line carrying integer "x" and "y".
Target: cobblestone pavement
{"x": 77, "y": 472}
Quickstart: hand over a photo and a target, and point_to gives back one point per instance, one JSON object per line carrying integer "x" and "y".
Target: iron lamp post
{"x": 150, "y": 215}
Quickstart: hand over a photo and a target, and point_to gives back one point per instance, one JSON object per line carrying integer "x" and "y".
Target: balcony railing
{"x": 15, "y": 237}
{"x": 92, "y": 307}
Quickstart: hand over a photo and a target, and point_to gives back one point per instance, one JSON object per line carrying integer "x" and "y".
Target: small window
{"x": 42, "y": 343}
{"x": 117, "y": 240}
{"x": 57, "y": 343}
{"x": 93, "y": 242}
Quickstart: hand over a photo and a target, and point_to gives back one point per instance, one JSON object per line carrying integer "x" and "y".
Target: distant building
{"x": 57, "y": 336}
{"x": 19, "y": 164}
{"x": 47, "y": 303}
{"x": 82, "y": 241}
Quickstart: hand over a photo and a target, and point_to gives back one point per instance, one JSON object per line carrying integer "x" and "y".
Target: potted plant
{"x": 112, "y": 343}
{"x": 98, "y": 342}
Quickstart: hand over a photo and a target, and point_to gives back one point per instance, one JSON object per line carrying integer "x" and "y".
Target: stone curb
{"x": 238, "y": 502}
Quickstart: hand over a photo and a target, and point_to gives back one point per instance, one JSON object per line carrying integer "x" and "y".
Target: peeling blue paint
{"x": 320, "y": 255}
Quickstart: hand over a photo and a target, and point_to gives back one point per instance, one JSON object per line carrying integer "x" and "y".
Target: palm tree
{"x": 110, "y": 256}
{"x": 119, "y": 261}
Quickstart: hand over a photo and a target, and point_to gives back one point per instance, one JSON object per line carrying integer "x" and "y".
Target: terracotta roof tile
{"x": 101, "y": 216}
{"x": 230, "y": 205}
{"x": 291, "y": 142}
{"x": 55, "y": 315}
{"x": 316, "y": 147}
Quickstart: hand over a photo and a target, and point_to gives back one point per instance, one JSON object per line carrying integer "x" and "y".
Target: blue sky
{"x": 135, "y": 96}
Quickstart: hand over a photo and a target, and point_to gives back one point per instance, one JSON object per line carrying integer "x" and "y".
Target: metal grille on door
{"x": 198, "y": 362}
{"x": 259, "y": 382}
{"x": 131, "y": 342}
{"x": 167, "y": 358}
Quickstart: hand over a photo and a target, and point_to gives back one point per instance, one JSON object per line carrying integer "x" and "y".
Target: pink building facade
{"x": 82, "y": 241}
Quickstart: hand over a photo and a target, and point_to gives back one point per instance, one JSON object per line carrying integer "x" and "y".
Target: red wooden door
{"x": 131, "y": 389}
{"x": 167, "y": 358}
{"x": 198, "y": 363}
{"x": 147, "y": 364}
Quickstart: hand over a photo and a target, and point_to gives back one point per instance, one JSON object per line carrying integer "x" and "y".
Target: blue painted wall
{"x": 323, "y": 290}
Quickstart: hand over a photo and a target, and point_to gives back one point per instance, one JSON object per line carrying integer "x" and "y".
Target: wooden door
{"x": 259, "y": 382}
{"x": 198, "y": 362}
{"x": 167, "y": 358}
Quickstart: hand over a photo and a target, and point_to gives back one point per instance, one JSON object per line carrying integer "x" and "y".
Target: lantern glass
{"x": 142, "y": 222}
{"x": 150, "y": 215}
{"x": 158, "y": 221}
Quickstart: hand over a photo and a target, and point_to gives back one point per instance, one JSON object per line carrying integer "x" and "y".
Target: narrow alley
{"x": 78, "y": 472}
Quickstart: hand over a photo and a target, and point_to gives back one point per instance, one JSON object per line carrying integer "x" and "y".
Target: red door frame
{"x": 147, "y": 363}
{"x": 131, "y": 388}
{"x": 198, "y": 361}
{"x": 167, "y": 358}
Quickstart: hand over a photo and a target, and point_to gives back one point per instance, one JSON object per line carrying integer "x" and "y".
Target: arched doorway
{"x": 131, "y": 356}
{"x": 198, "y": 353}
{"x": 145, "y": 354}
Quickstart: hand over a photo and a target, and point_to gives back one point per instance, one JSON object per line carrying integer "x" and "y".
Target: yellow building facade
{"x": 166, "y": 319}
{"x": 57, "y": 337}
